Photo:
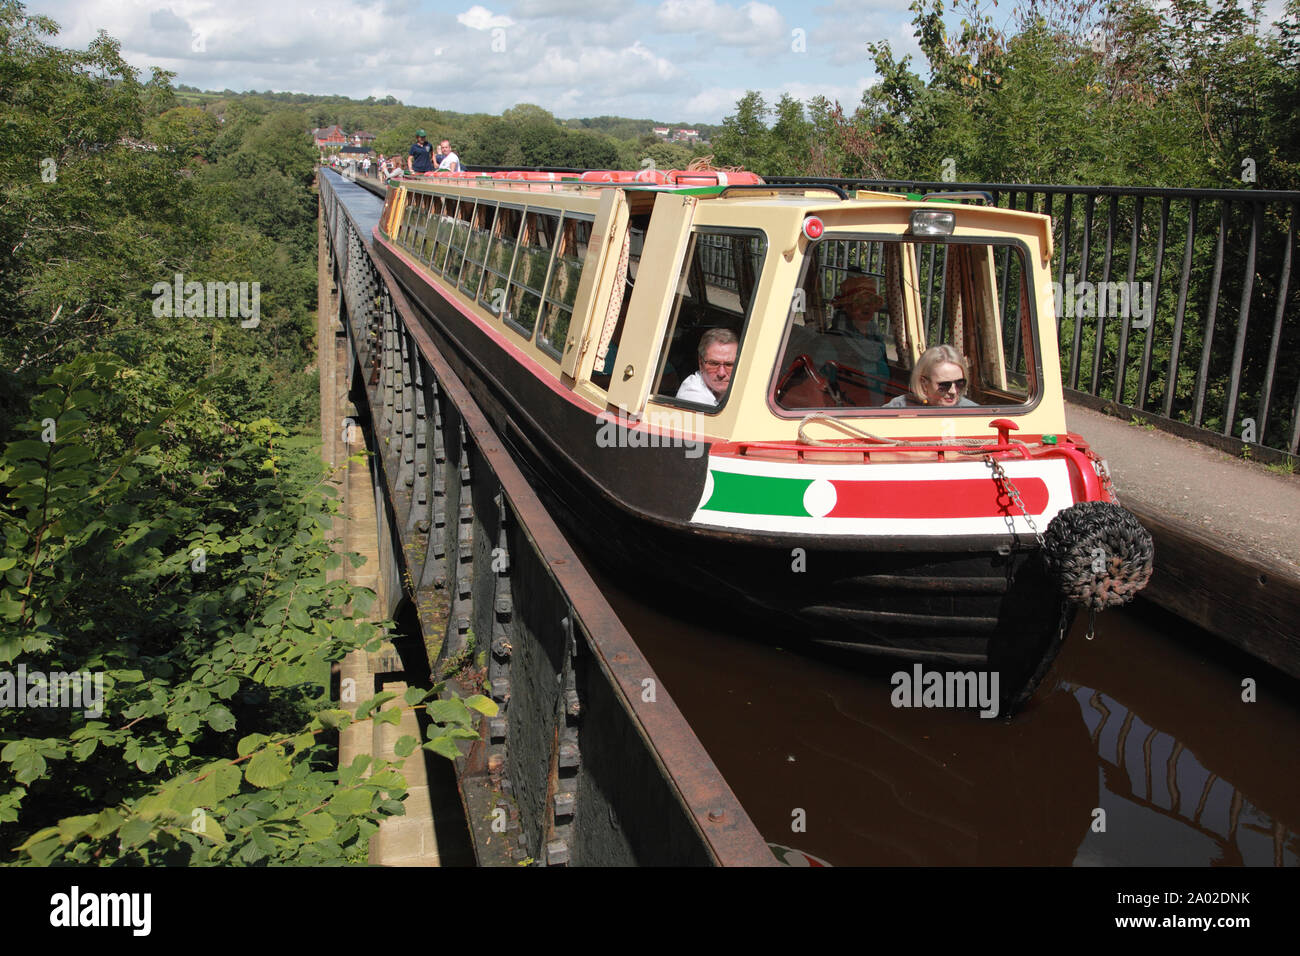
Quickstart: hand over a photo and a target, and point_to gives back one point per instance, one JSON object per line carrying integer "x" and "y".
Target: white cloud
{"x": 632, "y": 68}
{"x": 481, "y": 18}
{"x": 675, "y": 60}
{"x": 715, "y": 101}
{"x": 753, "y": 24}
{"x": 534, "y": 9}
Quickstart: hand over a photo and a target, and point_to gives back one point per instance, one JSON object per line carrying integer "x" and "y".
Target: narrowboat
{"x": 837, "y": 410}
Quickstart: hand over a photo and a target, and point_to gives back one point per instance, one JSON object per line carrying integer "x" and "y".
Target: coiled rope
{"x": 1099, "y": 554}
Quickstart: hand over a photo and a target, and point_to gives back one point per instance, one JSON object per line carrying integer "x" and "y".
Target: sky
{"x": 670, "y": 60}
{"x": 676, "y": 61}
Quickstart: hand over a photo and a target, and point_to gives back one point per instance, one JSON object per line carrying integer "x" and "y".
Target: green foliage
{"x": 745, "y": 139}
{"x": 1131, "y": 93}
{"x": 224, "y": 621}
{"x": 530, "y": 137}
{"x": 163, "y": 517}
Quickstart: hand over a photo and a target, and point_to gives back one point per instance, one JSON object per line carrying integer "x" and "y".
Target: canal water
{"x": 1138, "y": 749}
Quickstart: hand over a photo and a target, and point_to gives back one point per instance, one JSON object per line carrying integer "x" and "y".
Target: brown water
{"x": 1137, "y": 750}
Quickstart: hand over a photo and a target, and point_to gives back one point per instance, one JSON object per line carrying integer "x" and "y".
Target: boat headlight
{"x": 932, "y": 222}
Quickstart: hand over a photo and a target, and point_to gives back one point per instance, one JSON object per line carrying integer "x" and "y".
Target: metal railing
{"x": 597, "y": 773}
{"x": 1213, "y": 339}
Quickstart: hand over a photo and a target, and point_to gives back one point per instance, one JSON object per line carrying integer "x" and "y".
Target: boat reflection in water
{"x": 1132, "y": 724}
{"x": 1156, "y": 793}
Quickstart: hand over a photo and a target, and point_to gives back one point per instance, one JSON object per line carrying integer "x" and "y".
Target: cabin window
{"x": 562, "y": 290}
{"x": 715, "y": 290}
{"x": 532, "y": 263}
{"x": 476, "y": 247}
{"x": 409, "y": 213}
{"x": 446, "y": 229}
{"x": 421, "y": 242}
{"x": 849, "y": 342}
{"x": 500, "y": 257}
{"x": 459, "y": 236}
{"x": 603, "y": 368}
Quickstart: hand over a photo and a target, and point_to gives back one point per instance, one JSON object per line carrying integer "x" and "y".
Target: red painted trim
{"x": 742, "y": 449}
{"x": 957, "y": 498}
{"x": 1084, "y": 482}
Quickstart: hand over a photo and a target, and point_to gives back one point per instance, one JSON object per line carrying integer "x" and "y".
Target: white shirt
{"x": 450, "y": 162}
{"x": 694, "y": 390}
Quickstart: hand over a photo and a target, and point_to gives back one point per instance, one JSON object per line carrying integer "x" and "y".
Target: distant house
{"x": 686, "y": 135}
{"x": 362, "y": 138}
{"x": 661, "y": 131}
{"x": 329, "y": 136}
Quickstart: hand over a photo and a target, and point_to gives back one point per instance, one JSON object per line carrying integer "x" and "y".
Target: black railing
{"x": 1199, "y": 265}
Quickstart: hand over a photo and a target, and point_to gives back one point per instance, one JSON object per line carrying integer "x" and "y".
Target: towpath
{"x": 1241, "y": 502}
{"x": 1227, "y": 533}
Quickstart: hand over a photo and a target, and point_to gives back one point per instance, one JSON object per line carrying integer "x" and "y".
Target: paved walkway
{"x": 1240, "y": 502}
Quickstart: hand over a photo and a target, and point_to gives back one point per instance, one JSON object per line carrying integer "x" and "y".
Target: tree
{"x": 745, "y": 140}
{"x": 791, "y": 139}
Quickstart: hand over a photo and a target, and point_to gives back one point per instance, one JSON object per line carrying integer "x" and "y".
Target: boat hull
{"x": 963, "y": 601}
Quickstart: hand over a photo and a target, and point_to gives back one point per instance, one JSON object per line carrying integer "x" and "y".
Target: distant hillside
{"x": 524, "y": 135}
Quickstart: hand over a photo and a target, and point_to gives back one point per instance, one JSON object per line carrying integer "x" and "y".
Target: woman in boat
{"x": 938, "y": 381}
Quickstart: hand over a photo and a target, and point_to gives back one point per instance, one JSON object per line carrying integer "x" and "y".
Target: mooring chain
{"x": 1009, "y": 486}
{"x": 1103, "y": 472}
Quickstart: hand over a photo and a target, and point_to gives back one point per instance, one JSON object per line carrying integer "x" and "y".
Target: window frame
{"x": 547, "y": 301}
{"x": 480, "y": 205}
{"x": 493, "y": 238}
{"x": 1032, "y": 401}
{"x": 688, "y": 267}
{"x": 511, "y": 285}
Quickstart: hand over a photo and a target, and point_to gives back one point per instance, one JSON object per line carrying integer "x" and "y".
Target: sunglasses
{"x": 944, "y": 386}
{"x": 714, "y": 366}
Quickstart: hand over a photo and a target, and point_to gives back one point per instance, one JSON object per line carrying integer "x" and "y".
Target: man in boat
{"x": 853, "y": 339}
{"x": 449, "y": 161}
{"x": 420, "y": 157}
{"x": 717, "y": 355}
{"x": 938, "y": 381}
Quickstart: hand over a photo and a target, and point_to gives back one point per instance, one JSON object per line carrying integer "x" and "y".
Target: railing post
{"x": 1171, "y": 386}
{"x": 1211, "y": 312}
{"x": 1239, "y": 347}
{"x": 1121, "y": 355}
{"x": 1144, "y": 380}
{"x": 1283, "y": 290}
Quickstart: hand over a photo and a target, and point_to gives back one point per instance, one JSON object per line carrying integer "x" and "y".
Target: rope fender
{"x": 1099, "y": 554}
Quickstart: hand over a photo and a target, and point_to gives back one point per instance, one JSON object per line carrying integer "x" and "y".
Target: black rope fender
{"x": 1099, "y": 554}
